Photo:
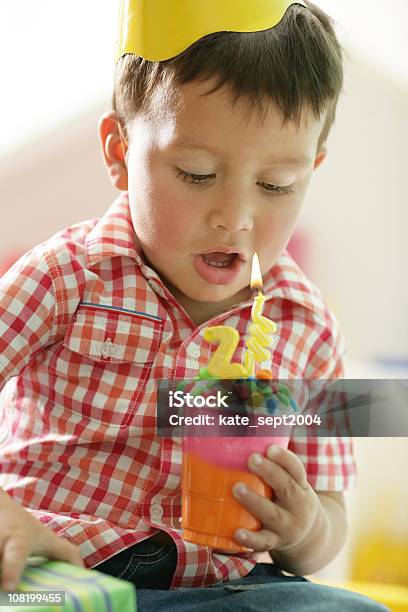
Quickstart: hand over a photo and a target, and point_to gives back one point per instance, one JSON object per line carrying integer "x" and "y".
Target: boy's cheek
{"x": 271, "y": 239}
{"x": 167, "y": 234}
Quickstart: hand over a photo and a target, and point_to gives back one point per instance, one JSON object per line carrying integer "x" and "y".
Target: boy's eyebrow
{"x": 302, "y": 160}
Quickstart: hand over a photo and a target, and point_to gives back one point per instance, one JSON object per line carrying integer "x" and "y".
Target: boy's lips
{"x": 228, "y": 250}
{"x": 217, "y": 274}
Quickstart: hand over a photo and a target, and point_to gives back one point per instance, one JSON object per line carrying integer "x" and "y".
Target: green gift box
{"x": 43, "y": 584}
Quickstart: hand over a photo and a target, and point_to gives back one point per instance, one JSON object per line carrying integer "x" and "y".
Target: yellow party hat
{"x": 161, "y": 29}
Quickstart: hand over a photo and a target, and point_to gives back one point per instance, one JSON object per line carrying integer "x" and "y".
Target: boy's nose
{"x": 232, "y": 214}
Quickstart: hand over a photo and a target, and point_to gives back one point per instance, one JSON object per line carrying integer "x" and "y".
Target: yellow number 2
{"x": 220, "y": 363}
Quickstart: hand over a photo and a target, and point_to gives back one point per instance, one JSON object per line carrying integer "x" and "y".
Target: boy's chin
{"x": 222, "y": 295}
{"x": 225, "y": 295}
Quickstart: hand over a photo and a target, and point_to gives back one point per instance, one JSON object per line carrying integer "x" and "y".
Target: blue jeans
{"x": 150, "y": 566}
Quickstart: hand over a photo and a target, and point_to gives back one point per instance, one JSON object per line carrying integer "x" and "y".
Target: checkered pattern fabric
{"x": 86, "y": 328}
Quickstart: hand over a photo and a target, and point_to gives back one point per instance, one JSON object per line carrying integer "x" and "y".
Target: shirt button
{"x": 156, "y": 512}
{"x": 193, "y": 351}
{"x": 107, "y": 348}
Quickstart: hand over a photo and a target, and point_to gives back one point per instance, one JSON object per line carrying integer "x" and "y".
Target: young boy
{"x": 213, "y": 151}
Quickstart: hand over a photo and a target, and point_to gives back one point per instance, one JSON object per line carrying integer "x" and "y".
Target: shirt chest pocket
{"x": 104, "y": 363}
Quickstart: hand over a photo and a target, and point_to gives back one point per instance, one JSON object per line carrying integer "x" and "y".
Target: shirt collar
{"x": 286, "y": 280}
{"x": 113, "y": 236}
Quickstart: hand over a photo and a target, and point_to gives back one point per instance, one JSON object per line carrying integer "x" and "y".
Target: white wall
{"x": 357, "y": 216}
{"x": 53, "y": 182}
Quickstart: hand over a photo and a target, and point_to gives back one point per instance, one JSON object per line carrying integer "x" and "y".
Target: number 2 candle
{"x": 261, "y": 328}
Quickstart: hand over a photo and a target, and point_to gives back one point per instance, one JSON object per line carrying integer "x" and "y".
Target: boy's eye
{"x": 189, "y": 177}
{"x": 197, "y": 179}
{"x": 277, "y": 189}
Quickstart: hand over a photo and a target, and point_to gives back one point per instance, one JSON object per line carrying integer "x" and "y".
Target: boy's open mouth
{"x": 219, "y": 260}
{"x": 218, "y": 268}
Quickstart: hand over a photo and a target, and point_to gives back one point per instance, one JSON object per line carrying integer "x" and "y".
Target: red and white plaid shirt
{"x": 86, "y": 328}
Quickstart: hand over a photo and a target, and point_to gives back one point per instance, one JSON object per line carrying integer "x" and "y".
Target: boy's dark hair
{"x": 297, "y": 63}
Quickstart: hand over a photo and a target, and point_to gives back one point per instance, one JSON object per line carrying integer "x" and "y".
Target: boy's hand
{"x": 21, "y": 534}
{"x": 288, "y": 519}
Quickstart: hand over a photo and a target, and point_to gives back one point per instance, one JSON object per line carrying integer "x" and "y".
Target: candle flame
{"x": 256, "y": 276}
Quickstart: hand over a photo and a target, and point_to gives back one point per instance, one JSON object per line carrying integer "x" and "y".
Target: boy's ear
{"x": 321, "y": 156}
{"x": 114, "y": 149}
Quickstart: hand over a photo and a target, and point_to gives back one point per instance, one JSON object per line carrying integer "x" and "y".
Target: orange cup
{"x": 211, "y": 466}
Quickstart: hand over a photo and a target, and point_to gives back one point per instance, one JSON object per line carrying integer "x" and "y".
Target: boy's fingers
{"x": 268, "y": 512}
{"x": 60, "y": 549}
{"x": 289, "y": 462}
{"x": 14, "y": 556}
{"x": 16, "y": 552}
{"x": 259, "y": 541}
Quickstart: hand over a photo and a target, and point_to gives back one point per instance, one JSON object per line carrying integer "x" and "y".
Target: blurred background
{"x": 57, "y": 67}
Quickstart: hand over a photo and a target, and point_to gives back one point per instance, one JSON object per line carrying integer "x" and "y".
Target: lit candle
{"x": 261, "y": 328}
